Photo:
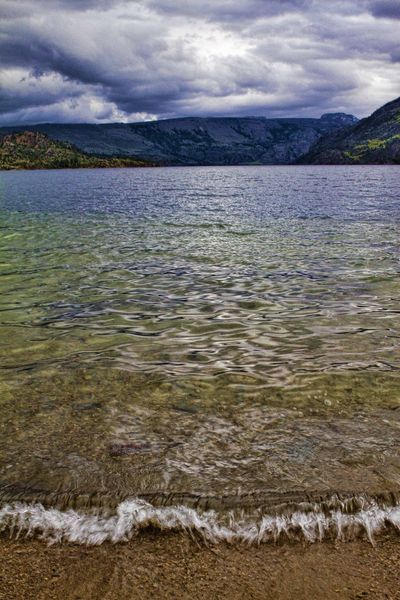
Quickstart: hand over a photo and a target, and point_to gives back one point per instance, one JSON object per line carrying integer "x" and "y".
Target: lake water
{"x": 203, "y": 338}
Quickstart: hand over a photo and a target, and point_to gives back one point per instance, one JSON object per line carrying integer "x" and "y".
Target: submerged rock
{"x": 128, "y": 448}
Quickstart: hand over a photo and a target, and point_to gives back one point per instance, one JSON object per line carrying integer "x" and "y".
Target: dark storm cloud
{"x": 389, "y": 9}
{"x": 129, "y": 60}
{"x": 229, "y": 10}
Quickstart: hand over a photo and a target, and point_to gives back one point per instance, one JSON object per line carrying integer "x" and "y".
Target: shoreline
{"x": 311, "y": 522}
{"x": 200, "y": 166}
{"x": 171, "y": 565}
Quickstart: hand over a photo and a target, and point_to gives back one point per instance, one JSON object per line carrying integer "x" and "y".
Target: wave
{"x": 135, "y": 515}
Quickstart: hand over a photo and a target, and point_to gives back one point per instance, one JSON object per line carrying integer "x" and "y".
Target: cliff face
{"x": 333, "y": 139}
{"x": 34, "y": 150}
{"x": 201, "y": 141}
{"x": 374, "y": 140}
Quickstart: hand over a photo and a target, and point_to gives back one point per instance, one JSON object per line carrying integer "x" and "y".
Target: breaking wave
{"x": 133, "y": 515}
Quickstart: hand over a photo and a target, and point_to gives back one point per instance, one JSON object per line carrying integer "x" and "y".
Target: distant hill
{"x": 374, "y": 140}
{"x": 34, "y": 150}
{"x": 200, "y": 141}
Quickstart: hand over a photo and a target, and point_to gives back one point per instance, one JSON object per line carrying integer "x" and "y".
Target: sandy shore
{"x": 174, "y": 566}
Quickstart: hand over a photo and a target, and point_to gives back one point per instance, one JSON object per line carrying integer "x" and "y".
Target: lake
{"x": 200, "y": 342}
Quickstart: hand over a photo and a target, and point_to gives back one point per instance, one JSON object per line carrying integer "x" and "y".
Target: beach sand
{"x": 157, "y": 565}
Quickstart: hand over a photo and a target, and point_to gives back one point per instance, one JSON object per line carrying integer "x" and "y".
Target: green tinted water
{"x": 199, "y": 332}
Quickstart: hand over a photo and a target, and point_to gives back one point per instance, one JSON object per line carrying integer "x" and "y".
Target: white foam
{"x": 135, "y": 514}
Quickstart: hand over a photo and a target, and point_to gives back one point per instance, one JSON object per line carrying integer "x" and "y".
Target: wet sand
{"x": 170, "y": 565}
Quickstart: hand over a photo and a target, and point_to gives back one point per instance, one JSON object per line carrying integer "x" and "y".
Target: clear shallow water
{"x": 213, "y": 336}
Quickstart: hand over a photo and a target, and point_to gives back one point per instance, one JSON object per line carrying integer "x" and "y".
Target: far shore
{"x": 158, "y": 166}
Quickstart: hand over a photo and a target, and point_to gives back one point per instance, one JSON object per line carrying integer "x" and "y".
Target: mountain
{"x": 374, "y": 140}
{"x": 34, "y": 150}
{"x": 200, "y": 141}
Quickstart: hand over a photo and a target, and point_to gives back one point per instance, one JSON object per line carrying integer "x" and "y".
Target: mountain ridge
{"x": 373, "y": 140}
{"x": 198, "y": 140}
{"x": 334, "y": 138}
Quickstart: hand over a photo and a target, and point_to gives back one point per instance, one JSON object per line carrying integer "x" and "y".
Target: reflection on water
{"x": 200, "y": 331}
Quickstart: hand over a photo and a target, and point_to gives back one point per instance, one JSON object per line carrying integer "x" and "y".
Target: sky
{"x": 133, "y": 60}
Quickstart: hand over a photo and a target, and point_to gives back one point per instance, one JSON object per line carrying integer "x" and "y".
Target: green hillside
{"x": 34, "y": 150}
{"x": 374, "y": 140}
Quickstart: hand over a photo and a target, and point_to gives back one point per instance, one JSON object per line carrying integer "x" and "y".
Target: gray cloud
{"x": 70, "y": 60}
{"x": 229, "y": 11}
{"x": 388, "y": 9}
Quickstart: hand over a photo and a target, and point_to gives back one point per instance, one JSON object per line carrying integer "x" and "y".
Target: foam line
{"x": 134, "y": 515}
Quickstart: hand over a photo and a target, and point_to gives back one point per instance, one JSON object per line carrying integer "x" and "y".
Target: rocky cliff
{"x": 201, "y": 141}
{"x": 374, "y": 140}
